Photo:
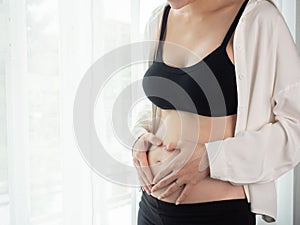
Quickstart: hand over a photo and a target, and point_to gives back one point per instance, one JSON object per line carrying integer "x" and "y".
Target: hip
{"x": 231, "y": 211}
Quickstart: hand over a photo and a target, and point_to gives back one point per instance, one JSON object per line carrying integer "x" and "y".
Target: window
{"x": 46, "y": 46}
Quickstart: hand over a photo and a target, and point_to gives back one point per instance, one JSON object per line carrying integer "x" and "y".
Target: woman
{"x": 197, "y": 157}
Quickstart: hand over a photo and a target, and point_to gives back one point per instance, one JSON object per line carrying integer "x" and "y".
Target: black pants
{"x": 153, "y": 211}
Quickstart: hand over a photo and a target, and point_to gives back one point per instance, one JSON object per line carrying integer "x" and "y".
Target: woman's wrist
{"x": 204, "y": 162}
{"x": 136, "y": 142}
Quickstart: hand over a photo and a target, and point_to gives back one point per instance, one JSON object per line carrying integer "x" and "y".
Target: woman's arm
{"x": 142, "y": 122}
{"x": 263, "y": 155}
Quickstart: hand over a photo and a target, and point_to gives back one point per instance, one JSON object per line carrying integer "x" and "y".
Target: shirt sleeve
{"x": 263, "y": 155}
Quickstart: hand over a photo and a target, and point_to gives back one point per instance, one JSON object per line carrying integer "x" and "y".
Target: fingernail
{"x": 177, "y": 203}
{"x": 160, "y": 197}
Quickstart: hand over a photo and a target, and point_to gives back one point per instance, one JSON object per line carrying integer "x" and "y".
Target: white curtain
{"x": 46, "y": 46}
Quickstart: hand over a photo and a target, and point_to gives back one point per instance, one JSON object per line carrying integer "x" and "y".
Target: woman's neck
{"x": 189, "y": 9}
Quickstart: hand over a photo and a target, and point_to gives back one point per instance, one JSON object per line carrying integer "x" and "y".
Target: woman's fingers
{"x": 185, "y": 192}
{"x": 153, "y": 139}
{"x": 141, "y": 159}
{"x": 188, "y": 153}
{"x": 165, "y": 181}
{"x": 178, "y": 162}
{"x": 141, "y": 175}
{"x": 162, "y": 173}
{"x": 170, "y": 146}
{"x": 141, "y": 164}
{"x": 142, "y": 144}
{"x": 142, "y": 179}
{"x": 175, "y": 186}
{"x": 146, "y": 171}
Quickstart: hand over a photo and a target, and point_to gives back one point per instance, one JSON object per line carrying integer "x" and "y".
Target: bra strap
{"x": 162, "y": 32}
{"x": 164, "y": 22}
{"x": 234, "y": 24}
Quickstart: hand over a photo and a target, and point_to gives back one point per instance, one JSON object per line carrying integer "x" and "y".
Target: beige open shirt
{"x": 266, "y": 142}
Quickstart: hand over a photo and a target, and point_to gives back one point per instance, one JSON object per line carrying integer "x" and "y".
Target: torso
{"x": 176, "y": 125}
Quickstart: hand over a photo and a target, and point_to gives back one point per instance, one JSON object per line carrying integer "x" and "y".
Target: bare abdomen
{"x": 176, "y": 126}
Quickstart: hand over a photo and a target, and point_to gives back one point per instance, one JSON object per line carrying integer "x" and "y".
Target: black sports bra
{"x": 206, "y": 88}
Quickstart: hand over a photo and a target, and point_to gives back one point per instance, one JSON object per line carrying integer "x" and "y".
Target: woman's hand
{"x": 188, "y": 168}
{"x": 140, "y": 159}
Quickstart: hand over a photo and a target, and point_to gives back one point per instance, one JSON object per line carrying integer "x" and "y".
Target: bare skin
{"x": 190, "y": 18}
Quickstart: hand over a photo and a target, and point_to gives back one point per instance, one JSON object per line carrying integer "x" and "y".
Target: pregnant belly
{"x": 209, "y": 189}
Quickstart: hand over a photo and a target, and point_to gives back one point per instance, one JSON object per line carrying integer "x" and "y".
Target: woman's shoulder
{"x": 156, "y": 14}
{"x": 264, "y": 17}
{"x": 158, "y": 11}
{"x": 154, "y": 21}
{"x": 266, "y": 10}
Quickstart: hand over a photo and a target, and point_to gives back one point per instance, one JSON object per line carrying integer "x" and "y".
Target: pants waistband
{"x": 222, "y": 205}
